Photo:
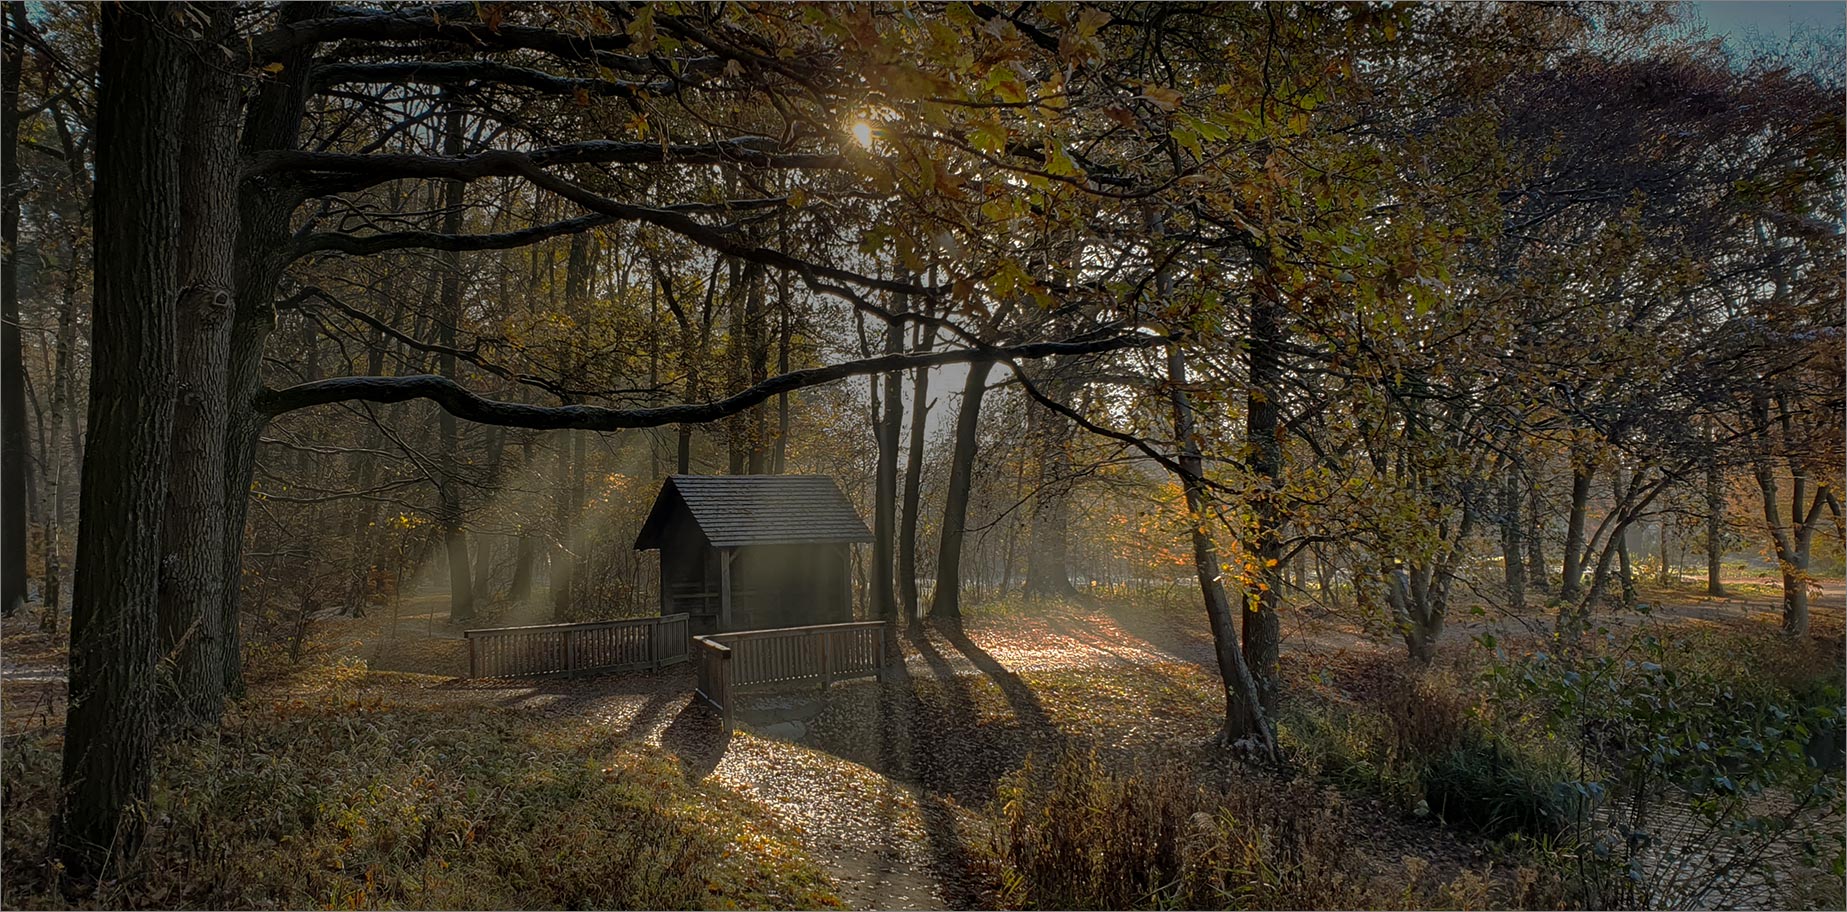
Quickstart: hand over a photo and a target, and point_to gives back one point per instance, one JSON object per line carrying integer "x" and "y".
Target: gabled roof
{"x": 735, "y": 510}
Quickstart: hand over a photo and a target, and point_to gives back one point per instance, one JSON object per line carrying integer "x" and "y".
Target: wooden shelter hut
{"x": 754, "y": 552}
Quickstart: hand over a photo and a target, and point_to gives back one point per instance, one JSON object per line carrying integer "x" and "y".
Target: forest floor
{"x": 888, "y": 788}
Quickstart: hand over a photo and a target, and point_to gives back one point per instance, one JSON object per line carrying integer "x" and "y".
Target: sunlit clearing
{"x": 862, "y": 132}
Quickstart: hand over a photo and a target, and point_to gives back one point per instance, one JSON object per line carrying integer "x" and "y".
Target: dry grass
{"x": 339, "y": 787}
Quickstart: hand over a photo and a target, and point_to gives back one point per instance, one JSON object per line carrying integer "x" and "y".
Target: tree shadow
{"x": 1026, "y": 706}
{"x": 698, "y": 737}
{"x": 1163, "y": 628}
{"x": 647, "y": 715}
{"x": 909, "y": 747}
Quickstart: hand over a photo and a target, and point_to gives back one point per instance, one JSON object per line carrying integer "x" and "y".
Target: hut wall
{"x": 789, "y": 586}
{"x": 689, "y": 574}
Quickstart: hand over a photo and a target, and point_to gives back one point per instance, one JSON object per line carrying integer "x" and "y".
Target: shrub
{"x": 1701, "y": 766}
{"x": 1427, "y": 743}
{"x": 1074, "y": 835}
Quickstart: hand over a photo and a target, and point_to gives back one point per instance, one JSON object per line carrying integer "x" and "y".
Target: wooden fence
{"x": 638, "y": 644}
{"x": 730, "y": 662}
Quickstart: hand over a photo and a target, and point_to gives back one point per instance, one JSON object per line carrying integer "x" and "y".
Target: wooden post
{"x": 473, "y": 661}
{"x": 724, "y": 588}
{"x": 570, "y": 650}
{"x": 827, "y": 659}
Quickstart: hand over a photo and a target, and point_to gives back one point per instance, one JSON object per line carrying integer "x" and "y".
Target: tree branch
{"x": 329, "y": 173}
{"x": 465, "y": 72}
{"x": 466, "y": 405}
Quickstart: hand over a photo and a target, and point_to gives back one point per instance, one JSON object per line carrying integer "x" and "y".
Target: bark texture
{"x": 191, "y": 581}
{"x": 109, "y": 734}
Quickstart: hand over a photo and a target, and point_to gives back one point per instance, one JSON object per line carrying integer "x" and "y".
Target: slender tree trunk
{"x": 1512, "y": 527}
{"x": 520, "y": 591}
{"x": 946, "y": 603}
{"x": 60, "y": 458}
{"x": 1625, "y": 570}
{"x": 364, "y": 464}
{"x": 449, "y": 510}
{"x": 109, "y": 734}
{"x": 1662, "y": 576}
{"x": 191, "y": 578}
{"x": 1715, "y": 527}
{"x": 1582, "y": 472}
{"x": 564, "y": 558}
{"x": 1262, "y": 624}
{"x": 784, "y": 333}
{"x": 1243, "y": 706}
{"x": 890, "y": 424}
{"x": 913, "y": 481}
{"x": 757, "y": 338}
{"x": 12, "y": 360}
{"x": 485, "y": 544}
{"x": 1791, "y": 541}
{"x": 1538, "y": 576}
{"x": 736, "y": 355}
{"x": 1048, "y": 572}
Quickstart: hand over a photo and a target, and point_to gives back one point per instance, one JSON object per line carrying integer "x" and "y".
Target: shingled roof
{"x": 734, "y": 510}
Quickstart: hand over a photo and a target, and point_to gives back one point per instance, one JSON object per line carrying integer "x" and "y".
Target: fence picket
{"x": 626, "y": 645}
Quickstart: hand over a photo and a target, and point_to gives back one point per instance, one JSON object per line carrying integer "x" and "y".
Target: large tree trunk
{"x": 191, "y": 579}
{"x": 12, "y": 361}
{"x": 109, "y": 734}
{"x": 1262, "y": 625}
{"x": 913, "y": 481}
{"x": 946, "y": 603}
{"x": 1243, "y": 705}
{"x": 273, "y": 122}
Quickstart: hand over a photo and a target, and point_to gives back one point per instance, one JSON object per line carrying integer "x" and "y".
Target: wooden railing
{"x": 730, "y": 662}
{"x": 636, "y": 644}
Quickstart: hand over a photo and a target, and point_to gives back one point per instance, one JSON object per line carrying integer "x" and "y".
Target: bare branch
{"x": 466, "y": 405}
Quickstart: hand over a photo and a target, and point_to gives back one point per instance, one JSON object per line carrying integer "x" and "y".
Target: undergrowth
{"x": 1075, "y": 835}
{"x": 1427, "y": 744}
{"x": 334, "y": 796}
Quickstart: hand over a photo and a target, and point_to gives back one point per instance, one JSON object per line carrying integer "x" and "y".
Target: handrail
{"x": 626, "y": 644}
{"x": 730, "y": 662}
{"x": 574, "y": 625}
{"x": 736, "y": 635}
